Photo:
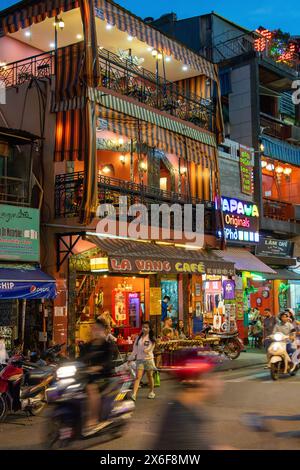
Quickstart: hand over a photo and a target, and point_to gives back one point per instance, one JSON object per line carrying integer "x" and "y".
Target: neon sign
{"x": 240, "y": 220}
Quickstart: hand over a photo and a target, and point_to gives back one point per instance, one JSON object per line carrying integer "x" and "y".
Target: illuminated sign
{"x": 241, "y": 221}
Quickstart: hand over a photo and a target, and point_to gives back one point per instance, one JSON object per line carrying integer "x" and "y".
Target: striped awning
{"x": 159, "y": 119}
{"x": 70, "y": 140}
{"x": 281, "y": 151}
{"x": 24, "y": 15}
{"x": 153, "y": 257}
{"x": 135, "y": 26}
{"x": 158, "y": 137}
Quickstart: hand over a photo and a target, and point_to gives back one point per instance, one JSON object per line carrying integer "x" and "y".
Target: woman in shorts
{"x": 143, "y": 354}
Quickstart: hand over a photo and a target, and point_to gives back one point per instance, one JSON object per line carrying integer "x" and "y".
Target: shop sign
{"x": 241, "y": 221}
{"x": 272, "y": 247}
{"x": 131, "y": 264}
{"x": 155, "y": 301}
{"x": 19, "y": 233}
{"x": 246, "y": 170}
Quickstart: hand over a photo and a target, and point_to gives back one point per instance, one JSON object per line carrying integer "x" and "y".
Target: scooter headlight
{"x": 278, "y": 337}
{"x": 65, "y": 372}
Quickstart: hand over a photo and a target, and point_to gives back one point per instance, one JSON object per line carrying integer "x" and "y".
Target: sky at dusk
{"x": 272, "y": 14}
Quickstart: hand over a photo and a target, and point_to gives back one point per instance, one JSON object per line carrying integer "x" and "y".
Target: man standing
{"x": 269, "y": 323}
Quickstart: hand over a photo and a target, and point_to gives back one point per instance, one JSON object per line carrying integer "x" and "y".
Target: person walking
{"x": 143, "y": 348}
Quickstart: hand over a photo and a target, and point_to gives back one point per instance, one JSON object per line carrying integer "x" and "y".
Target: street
{"x": 247, "y": 390}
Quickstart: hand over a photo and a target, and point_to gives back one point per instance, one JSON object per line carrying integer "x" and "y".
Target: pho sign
{"x": 241, "y": 221}
{"x": 19, "y": 233}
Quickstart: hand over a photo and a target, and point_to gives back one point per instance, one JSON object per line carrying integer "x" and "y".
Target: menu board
{"x": 246, "y": 170}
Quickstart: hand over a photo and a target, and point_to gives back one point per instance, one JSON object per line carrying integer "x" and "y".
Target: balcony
{"x": 36, "y": 67}
{"x": 142, "y": 85}
{"x": 280, "y": 217}
{"x": 125, "y": 78}
{"x": 278, "y": 210}
{"x": 69, "y": 191}
{"x": 14, "y": 191}
{"x": 275, "y": 127}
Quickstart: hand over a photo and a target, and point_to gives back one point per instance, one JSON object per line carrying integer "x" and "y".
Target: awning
{"x": 125, "y": 256}
{"x": 25, "y": 282}
{"x": 283, "y": 275}
{"x": 244, "y": 260}
{"x": 281, "y": 150}
{"x": 23, "y": 15}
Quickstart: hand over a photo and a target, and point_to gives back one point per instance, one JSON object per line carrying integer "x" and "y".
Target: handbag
{"x": 156, "y": 378}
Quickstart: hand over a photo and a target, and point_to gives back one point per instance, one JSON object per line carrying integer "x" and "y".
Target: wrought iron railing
{"x": 278, "y": 210}
{"x": 275, "y": 127}
{"x": 13, "y": 191}
{"x": 125, "y": 78}
{"x": 69, "y": 193}
{"x": 17, "y": 73}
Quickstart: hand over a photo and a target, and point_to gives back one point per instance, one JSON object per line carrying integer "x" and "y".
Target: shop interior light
{"x": 262, "y": 147}
{"x": 129, "y": 38}
{"x": 52, "y": 45}
{"x": 78, "y": 36}
{"x": 257, "y": 277}
{"x": 183, "y": 170}
{"x": 109, "y": 26}
{"x": 159, "y": 56}
{"x": 27, "y": 34}
{"x": 154, "y": 52}
{"x": 185, "y": 68}
{"x": 106, "y": 169}
{"x": 122, "y": 159}
{"x": 143, "y": 166}
{"x": 168, "y": 59}
{"x": 149, "y": 49}
{"x": 61, "y": 24}
{"x": 270, "y": 167}
{"x": 263, "y": 163}
{"x": 279, "y": 169}
{"x": 287, "y": 171}
{"x": 121, "y": 141}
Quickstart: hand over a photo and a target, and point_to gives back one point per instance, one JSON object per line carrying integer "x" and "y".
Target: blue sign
{"x": 241, "y": 221}
{"x": 26, "y": 284}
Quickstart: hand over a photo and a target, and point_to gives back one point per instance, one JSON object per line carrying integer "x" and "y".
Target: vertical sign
{"x": 155, "y": 301}
{"x": 246, "y": 170}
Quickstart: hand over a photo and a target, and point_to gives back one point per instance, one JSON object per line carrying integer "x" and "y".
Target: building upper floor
{"x": 136, "y": 61}
{"x": 18, "y": 184}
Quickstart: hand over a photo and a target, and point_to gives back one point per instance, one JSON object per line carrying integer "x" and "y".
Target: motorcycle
{"x": 224, "y": 343}
{"x": 279, "y": 360}
{"x": 22, "y": 387}
{"x": 67, "y": 399}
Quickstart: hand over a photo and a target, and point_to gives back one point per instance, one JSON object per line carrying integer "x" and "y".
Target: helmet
{"x": 190, "y": 364}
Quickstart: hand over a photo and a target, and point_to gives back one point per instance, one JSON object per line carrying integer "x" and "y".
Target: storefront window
{"x": 169, "y": 287}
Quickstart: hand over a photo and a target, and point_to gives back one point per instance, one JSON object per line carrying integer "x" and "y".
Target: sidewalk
{"x": 250, "y": 358}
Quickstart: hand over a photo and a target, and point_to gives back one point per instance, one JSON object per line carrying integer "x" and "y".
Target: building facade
{"x": 121, "y": 110}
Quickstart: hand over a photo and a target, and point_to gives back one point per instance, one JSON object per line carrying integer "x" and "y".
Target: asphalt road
{"x": 245, "y": 391}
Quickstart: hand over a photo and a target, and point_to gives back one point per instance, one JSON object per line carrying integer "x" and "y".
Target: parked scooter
{"x": 67, "y": 398}
{"x": 279, "y": 361}
{"x": 22, "y": 387}
{"x": 225, "y": 343}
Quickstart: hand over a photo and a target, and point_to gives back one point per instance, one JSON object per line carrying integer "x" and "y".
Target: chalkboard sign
{"x": 273, "y": 247}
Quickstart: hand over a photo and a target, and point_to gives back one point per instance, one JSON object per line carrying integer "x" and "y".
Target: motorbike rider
{"x": 286, "y": 328}
{"x": 98, "y": 355}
